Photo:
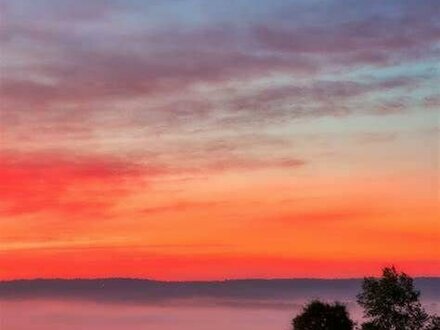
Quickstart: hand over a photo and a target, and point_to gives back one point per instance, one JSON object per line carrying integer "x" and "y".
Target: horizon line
{"x": 200, "y": 281}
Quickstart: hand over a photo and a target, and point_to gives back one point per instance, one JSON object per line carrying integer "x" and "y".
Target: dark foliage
{"x": 321, "y": 316}
{"x": 433, "y": 323}
{"x": 392, "y": 303}
{"x": 369, "y": 326}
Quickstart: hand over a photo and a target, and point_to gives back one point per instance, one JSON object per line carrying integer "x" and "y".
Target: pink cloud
{"x": 46, "y": 182}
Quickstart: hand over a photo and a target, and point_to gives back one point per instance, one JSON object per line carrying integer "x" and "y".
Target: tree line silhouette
{"x": 390, "y": 302}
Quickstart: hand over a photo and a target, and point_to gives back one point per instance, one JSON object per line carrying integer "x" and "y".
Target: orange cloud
{"x": 67, "y": 184}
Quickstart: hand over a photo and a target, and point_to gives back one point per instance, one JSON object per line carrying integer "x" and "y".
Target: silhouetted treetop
{"x": 392, "y": 303}
{"x": 322, "y": 316}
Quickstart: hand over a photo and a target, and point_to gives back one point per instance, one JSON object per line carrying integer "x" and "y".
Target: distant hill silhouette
{"x": 230, "y": 291}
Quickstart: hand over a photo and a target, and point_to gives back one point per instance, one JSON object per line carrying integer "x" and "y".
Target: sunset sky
{"x": 196, "y": 139}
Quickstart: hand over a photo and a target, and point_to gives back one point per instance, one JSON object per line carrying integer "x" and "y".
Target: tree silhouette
{"x": 392, "y": 303}
{"x": 322, "y": 316}
{"x": 433, "y": 323}
{"x": 369, "y": 326}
